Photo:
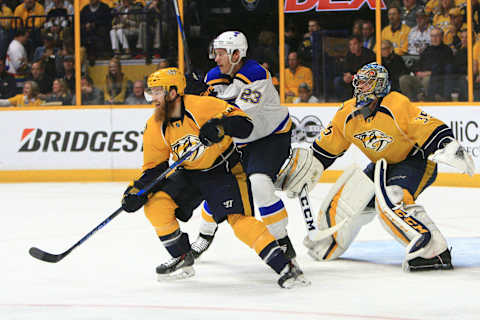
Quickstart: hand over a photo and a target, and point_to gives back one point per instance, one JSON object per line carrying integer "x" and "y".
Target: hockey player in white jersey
{"x": 248, "y": 85}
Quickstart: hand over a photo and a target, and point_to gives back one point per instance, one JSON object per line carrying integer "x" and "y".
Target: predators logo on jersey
{"x": 183, "y": 145}
{"x": 374, "y": 139}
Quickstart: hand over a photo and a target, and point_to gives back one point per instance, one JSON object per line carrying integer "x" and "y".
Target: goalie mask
{"x": 370, "y": 82}
{"x": 231, "y": 41}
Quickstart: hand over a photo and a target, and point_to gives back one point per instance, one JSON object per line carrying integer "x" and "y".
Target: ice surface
{"x": 111, "y": 275}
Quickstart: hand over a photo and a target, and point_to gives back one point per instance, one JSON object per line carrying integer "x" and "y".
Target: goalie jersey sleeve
{"x": 173, "y": 139}
{"x": 396, "y": 130}
{"x": 252, "y": 90}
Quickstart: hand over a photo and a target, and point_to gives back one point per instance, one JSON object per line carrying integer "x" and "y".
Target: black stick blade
{"x": 45, "y": 256}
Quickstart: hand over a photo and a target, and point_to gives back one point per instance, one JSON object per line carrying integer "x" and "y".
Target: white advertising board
{"x": 72, "y": 139}
{"x": 112, "y": 138}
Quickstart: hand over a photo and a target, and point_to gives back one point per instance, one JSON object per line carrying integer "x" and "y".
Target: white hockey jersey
{"x": 252, "y": 90}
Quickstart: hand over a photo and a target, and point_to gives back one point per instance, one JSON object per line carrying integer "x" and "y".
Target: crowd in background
{"x": 424, "y": 46}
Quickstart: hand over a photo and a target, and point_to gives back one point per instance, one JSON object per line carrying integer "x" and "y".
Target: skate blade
{"x": 183, "y": 273}
{"x": 300, "y": 281}
{"x": 407, "y": 268}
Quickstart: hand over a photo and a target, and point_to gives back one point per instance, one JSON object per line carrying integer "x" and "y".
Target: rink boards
{"x": 105, "y": 144}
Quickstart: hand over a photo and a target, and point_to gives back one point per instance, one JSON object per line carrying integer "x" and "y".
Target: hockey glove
{"x": 131, "y": 202}
{"x": 212, "y": 132}
{"x": 197, "y": 86}
{"x": 455, "y": 155}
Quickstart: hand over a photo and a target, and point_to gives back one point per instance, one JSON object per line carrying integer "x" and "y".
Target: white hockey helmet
{"x": 231, "y": 41}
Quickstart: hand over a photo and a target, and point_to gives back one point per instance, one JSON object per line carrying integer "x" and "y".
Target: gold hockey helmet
{"x": 167, "y": 78}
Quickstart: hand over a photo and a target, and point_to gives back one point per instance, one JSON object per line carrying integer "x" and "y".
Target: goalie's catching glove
{"x": 212, "y": 132}
{"x": 453, "y": 154}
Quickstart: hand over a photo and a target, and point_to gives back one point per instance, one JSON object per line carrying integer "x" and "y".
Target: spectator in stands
{"x": 116, "y": 83}
{"x": 409, "y": 10}
{"x": 396, "y": 31}
{"x": 47, "y": 54}
{"x": 457, "y": 81}
{"x": 266, "y": 49}
{"x": 296, "y": 74}
{"x": 60, "y": 93}
{"x": 305, "y": 50}
{"x": 17, "y": 60}
{"x": 356, "y": 57}
{"x": 152, "y": 29}
{"x": 357, "y": 28}
{"x": 291, "y": 40}
{"x": 5, "y": 27}
{"x": 430, "y": 71}
{"x": 91, "y": 95}
{"x": 8, "y": 87}
{"x": 137, "y": 96}
{"x": 305, "y": 94}
{"x": 452, "y": 35}
{"x": 394, "y": 64}
{"x": 125, "y": 27}
{"x": 441, "y": 18}
{"x": 43, "y": 81}
{"x": 96, "y": 22}
{"x": 58, "y": 21}
{"x": 68, "y": 73}
{"x": 29, "y": 97}
{"x": 368, "y": 35}
{"x": 162, "y": 63}
{"x": 419, "y": 36}
{"x": 28, "y": 9}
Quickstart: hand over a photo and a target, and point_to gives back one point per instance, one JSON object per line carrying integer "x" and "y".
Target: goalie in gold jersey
{"x": 403, "y": 144}
{"x": 214, "y": 173}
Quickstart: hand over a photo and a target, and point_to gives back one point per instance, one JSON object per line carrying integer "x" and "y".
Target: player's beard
{"x": 162, "y": 113}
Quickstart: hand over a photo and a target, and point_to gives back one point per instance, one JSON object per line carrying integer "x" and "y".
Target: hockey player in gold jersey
{"x": 214, "y": 172}
{"x": 403, "y": 144}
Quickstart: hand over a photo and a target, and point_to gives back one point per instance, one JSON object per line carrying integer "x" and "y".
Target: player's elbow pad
{"x": 237, "y": 126}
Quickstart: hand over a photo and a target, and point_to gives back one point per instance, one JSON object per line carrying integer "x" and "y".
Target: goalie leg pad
{"x": 406, "y": 222}
{"x": 342, "y": 214}
{"x": 301, "y": 168}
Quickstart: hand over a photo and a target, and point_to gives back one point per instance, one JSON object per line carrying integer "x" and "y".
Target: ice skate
{"x": 441, "y": 262}
{"x": 176, "y": 268}
{"x": 287, "y": 247}
{"x": 291, "y": 277}
{"x": 201, "y": 245}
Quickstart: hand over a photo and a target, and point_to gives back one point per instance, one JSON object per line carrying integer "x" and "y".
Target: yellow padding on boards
{"x": 160, "y": 210}
{"x": 250, "y": 231}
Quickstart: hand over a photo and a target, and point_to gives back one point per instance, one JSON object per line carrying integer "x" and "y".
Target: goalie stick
{"x": 310, "y": 223}
{"x": 53, "y": 258}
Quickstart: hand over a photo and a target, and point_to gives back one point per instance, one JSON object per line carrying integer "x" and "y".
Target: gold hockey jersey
{"x": 178, "y": 136}
{"x": 395, "y": 130}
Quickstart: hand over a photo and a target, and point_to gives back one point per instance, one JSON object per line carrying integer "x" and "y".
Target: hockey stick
{"x": 312, "y": 231}
{"x": 53, "y": 258}
{"x": 188, "y": 62}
